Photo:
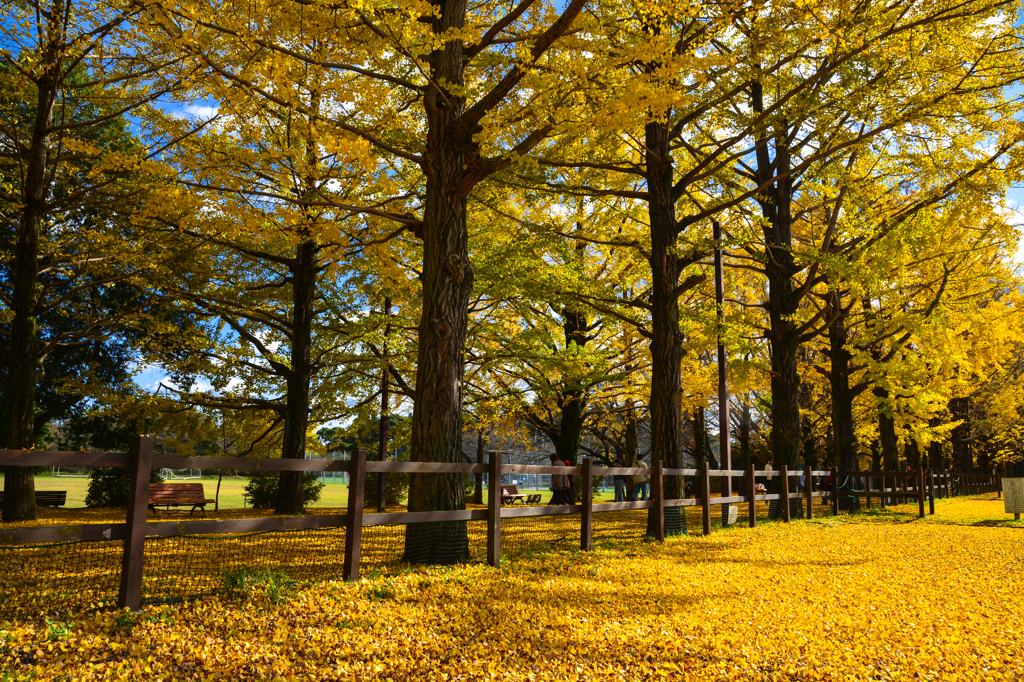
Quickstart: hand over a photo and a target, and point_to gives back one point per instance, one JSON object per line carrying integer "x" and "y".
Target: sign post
{"x": 1013, "y": 497}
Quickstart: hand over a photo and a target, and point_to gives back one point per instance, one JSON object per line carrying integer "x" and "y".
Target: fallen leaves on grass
{"x": 812, "y": 600}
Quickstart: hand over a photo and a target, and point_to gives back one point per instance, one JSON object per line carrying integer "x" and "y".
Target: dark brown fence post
{"x": 920, "y": 491}
{"x": 868, "y": 488}
{"x": 354, "y": 515}
{"x": 751, "y": 493}
{"x": 808, "y": 491}
{"x": 931, "y": 492}
{"x": 784, "y": 494}
{"x": 494, "y": 510}
{"x": 705, "y": 489}
{"x": 140, "y": 462}
{"x": 587, "y": 515}
{"x": 658, "y": 488}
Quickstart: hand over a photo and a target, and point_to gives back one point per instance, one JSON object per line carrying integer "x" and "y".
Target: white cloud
{"x": 201, "y": 111}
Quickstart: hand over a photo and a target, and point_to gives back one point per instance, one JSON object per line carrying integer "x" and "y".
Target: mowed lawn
{"x": 853, "y": 598}
{"x": 334, "y": 494}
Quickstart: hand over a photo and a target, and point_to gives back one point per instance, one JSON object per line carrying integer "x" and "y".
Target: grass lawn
{"x": 863, "y": 597}
{"x": 334, "y": 495}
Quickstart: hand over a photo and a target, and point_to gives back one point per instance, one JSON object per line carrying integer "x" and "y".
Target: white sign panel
{"x": 1013, "y": 495}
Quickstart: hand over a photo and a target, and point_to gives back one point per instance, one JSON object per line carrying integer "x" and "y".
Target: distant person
{"x": 620, "y": 483}
{"x": 769, "y": 467}
{"x": 559, "y": 484}
{"x": 829, "y": 483}
{"x": 640, "y": 483}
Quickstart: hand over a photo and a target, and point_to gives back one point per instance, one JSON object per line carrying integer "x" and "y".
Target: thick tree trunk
{"x": 23, "y": 361}
{"x": 962, "y": 458}
{"x": 296, "y": 421}
{"x": 912, "y": 453}
{"x": 844, "y": 436}
{"x": 447, "y": 279}
{"x": 478, "y": 490}
{"x": 935, "y": 447}
{"x": 783, "y": 299}
{"x": 887, "y": 433}
{"x": 666, "y": 337}
{"x": 385, "y": 385}
{"x": 632, "y": 448}
{"x": 745, "y": 425}
{"x": 573, "y": 398}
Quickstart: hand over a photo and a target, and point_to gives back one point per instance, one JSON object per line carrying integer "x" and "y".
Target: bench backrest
{"x": 509, "y": 490}
{"x": 46, "y": 497}
{"x": 176, "y": 491}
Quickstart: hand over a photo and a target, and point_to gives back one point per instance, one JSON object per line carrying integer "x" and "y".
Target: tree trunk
{"x": 887, "y": 432}
{"x": 216, "y": 496}
{"x": 746, "y": 456}
{"x": 23, "y": 362}
{"x": 573, "y": 398}
{"x": 447, "y": 279}
{"x": 478, "y": 490}
{"x": 935, "y": 447}
{"x": 632, "y": 448}
{"x": 385, "y": 383}
{"x": 844, "y": 436}
{"x": 666, "y": 337}
{"x": 912, "y": 453}
{"x": 961, "y": 452}
{"x": 303, "y": 273}
{"x": 783, "y": 300}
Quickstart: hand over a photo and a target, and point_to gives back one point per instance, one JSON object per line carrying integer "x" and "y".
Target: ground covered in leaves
{"x": 867, "y": 597}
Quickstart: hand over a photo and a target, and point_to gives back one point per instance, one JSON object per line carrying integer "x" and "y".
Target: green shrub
{"x": 108, "y": 487}
{"x": 396, "y": 488}
{"x": 263, "y": 486}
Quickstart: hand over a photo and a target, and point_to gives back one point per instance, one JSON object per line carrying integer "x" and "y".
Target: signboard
{"x": 1013, "y": 496}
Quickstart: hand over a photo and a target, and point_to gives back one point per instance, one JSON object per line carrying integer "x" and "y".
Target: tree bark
{"x": 478, "y": 490}
{"x": 844, "y": 435}
{"x": 935, "y": 447}
{"x": 961, "y": 452}
{"x": 303, "y": 274}
{"x": 746, "y": 456}
{"x": 887, "y": 432}
{"x": 23, "y": 361}
{"x": 666, "y": 338}
{"x": 447, "y": 278}
{"x": 783, "y": 299}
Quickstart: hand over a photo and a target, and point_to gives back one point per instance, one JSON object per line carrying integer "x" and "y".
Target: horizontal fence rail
{"x": 739, "y": 487}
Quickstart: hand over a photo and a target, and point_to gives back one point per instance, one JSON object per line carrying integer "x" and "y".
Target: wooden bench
{"x": 510, "y": 495}
{"x": 168, "y": 495}
{"x": 47, "y": 498}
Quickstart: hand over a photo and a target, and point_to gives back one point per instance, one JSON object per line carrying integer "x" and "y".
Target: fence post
{"x": 587, "y": 515}
{"x": 751, "y": 493}
{"x": 354, "y": 515}
{"x": 784, "y": 493}
{"x": 658, "y": 485}
{"x": 705, "y": 489}
{"x": 920, "y": 491}
{"x": 140, "y": 462}
{"x": 868, "y": 488}
{"x": 931, "y": 492}
{"x": 494, "y": 510}
{"x": 807, "y": 491}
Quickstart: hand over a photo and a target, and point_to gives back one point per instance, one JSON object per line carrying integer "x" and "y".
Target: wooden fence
{"x": 141, "y": 460}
